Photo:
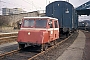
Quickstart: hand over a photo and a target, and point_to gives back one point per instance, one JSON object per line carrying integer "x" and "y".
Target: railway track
{"x": 27, "y": 55}
{"x": 18, "y": 54}
{"x": 8, "y": 37}
{"x": 32, "y": 58}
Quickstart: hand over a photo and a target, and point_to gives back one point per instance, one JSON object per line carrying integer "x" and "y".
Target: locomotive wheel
{"x": 44, "y": 47}
{"x": 52, "y": 43}
{"x": 67, "y": 35}
{"x": 55, "y": 42}
{"x": 21, "y": 46}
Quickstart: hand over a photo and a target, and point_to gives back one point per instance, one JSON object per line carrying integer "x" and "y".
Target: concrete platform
{"x": 75, "y": 51}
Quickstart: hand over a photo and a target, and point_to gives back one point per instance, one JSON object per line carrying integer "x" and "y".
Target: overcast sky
{"x": 32, "y": 5}
{"x": 29, "y": 5}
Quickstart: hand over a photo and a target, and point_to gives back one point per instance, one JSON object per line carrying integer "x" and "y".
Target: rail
{"x": 14, "y": 51}
{"x": 50, "y": 48}
{"x": 8, "y": 53}
{"x": 8, "y": 37}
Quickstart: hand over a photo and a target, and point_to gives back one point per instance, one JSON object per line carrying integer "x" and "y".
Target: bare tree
{"x": 4, "y": 21}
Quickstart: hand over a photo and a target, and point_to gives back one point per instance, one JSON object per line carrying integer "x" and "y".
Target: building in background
{"x": 8, "y": 11}
{"x": 17, "y": 11}
{"x": 5, "y": 11}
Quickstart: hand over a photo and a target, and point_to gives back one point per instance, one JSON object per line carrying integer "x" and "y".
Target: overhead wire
{"x": 30, "y": 4}
{"x": 26, "y": 1}
{"x": 11, "y": 4}
{"x": 33, "y": 5}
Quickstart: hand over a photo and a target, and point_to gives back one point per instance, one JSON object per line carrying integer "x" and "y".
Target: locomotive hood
{"x": 31, "y": 36}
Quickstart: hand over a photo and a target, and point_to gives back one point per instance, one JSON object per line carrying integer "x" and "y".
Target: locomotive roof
{"x": 42, "y": 17}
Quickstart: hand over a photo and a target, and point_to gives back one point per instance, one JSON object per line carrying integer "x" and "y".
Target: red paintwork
{"x": 38, "y": 35}
{"x": 34, "y": 37}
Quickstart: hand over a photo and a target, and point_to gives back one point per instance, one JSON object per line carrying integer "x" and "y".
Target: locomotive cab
{"x": 38, "y": 31}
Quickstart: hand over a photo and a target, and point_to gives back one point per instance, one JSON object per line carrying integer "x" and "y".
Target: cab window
{"x": 41, "y": 23}
{"x": 55, "y": 23}
{"x": 28, "y": 23}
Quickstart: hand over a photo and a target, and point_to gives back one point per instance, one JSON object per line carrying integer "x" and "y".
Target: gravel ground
{"x": 24, "y": 54}
{"x": 50, "y": 55}
{"x": 8, "y": 47}
{"x": 57, "y": 51}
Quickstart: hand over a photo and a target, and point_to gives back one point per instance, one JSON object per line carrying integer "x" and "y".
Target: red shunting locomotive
{"x": 38, "y": 31}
